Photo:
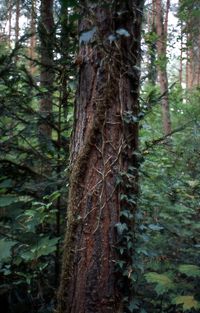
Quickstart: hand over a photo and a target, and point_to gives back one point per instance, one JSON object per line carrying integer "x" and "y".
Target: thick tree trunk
{"x": 102, "y": 146}
{"x": 46, "y": 33}
{"x": 161, "y": 30}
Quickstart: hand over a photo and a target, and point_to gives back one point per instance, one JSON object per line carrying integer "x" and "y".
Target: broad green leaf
{"x": 45, "y": 246}
{"x": 6, "y": 183}
{"x": 5, "y": 249}
{"x": 162, "y": 281}
{"x": 7, "y": 200}
{"x": 188, "y": 302}
{"x": 190, "y": 270}
{"x": 193, "y": 183}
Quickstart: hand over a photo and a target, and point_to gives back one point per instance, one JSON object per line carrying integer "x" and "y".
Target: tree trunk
{"x": 193, "y": 62}
{"x": 181, "y": 57}
{"x": 193, "y": 49}
{"x": 17, "y": 20}
{"x": 9, "y": 23}
{"x": 46, "y": 33}
{"x": 103, "y": 144}
{"x": 33, "y": 38}
{"x": 152, "y": 71}
{"x": 161, "y": 30}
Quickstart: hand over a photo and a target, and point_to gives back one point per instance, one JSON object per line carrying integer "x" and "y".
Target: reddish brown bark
{"x": 193, "y": 57}
{"x": 161, "y": 30}
{"x": 102, "y": 146}
{"x": 192, "y": 29}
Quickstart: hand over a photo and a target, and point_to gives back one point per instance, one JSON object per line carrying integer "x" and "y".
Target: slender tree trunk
{"x": 161, "y": 30}
{"x": 152, "y": 72}
{"x": 187, "y": 62}
{"x": 46, "y": 34}
{"x": 166, "y": 19}
{"x": 9, "y": 23}
{"x": 17, "y": 20}
{"x": 102, "y": 146}
{"x": 193, "y": 51}
{"x": 181, "y": 57}
{"x": 33, "y": 38}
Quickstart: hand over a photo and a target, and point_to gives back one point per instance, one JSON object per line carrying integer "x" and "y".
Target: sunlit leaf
{"x": 190, "y": 270}
{"x": 188, "y": 302}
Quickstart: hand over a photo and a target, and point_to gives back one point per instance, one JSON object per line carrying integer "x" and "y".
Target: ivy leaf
{"x": 122, "y": 32}
{"x": 112, "y": 38}
{"x": 121, "y": 227}
{"x": 7, "y": 200}
{"x": 134, "y": 304}
{"x": 87, "y": 36}
{"x": 188, "y": 302}
{"x": 190, "y": 270}
{"x": 162, "y": 281}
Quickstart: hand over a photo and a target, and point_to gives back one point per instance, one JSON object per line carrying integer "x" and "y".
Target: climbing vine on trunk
{"x": 104, "y": 144}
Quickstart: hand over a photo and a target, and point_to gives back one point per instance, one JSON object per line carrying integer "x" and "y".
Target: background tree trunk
{"x": 102, "y": 146}
{"x": 152, "y": 71}
{"x": 9, "y": 23}
{"x": 181, "y": 57}
{"x": 46, "y": 33}
{"x": 161, "y": 30}
{"x": 17, "y": 14}
{"x": 33, "y": 37}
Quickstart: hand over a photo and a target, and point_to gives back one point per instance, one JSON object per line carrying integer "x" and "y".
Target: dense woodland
{"x": 100, "y": 156}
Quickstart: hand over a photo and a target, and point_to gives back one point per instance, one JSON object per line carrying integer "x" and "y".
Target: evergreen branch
{"x": 163, "y": 138}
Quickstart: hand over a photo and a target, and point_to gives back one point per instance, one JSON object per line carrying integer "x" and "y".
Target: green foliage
{"x": 163, "y": 271}
{"x": 6, "y": 249}
{"x": 33, "y": 178}
{"x": 190, "y": 270}
{"x": 188, "y": 303}
{"x": 162, "y": 281}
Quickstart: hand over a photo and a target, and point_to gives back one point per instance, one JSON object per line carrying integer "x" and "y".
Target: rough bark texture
{"x": 46, "y": 33}
{"x": 161, "y": 30}
{"x": 102, "y": 146}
